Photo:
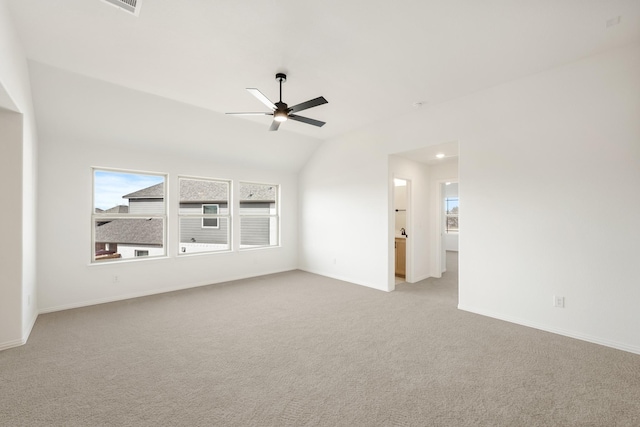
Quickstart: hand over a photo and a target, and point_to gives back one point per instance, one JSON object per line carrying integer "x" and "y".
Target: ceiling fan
{"x": 280, "y": 111}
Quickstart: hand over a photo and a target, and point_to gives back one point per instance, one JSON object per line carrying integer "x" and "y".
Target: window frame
{"x": 181, "y": 248}
{"x": 271, "y": 216}
{"x": 448, "y": 215}
{"x": 217, "y": 226}
{"x": 108, "y": 217}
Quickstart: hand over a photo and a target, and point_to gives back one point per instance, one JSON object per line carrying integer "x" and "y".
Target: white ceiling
{"x": 428, "y": 155}
{"x": 371, "y": 59}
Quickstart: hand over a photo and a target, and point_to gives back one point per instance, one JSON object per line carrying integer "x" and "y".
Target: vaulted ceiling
{"x": 372, "y": 60}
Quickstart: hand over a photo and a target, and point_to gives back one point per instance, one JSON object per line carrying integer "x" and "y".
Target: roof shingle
{"x": 141, "y": 231}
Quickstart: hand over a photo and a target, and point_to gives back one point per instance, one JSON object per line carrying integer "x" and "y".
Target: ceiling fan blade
{"x": 274, "y": 125}
{"x": 255, "y": 92}
{"x": 251, "y": 114}
{"x": 311, "y": 103}
{"x": 306, "y": 120}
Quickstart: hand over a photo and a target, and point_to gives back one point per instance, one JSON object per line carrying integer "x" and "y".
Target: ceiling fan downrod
{"x": 281, "y": 77}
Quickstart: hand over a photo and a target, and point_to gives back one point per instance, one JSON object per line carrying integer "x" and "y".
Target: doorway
{"x": 401, "y": 210}
{"x": 449, "y": 208}
{"x": 424, "y": 169}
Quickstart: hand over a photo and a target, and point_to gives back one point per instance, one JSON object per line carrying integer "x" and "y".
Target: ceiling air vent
{"x": 131, "y": 6}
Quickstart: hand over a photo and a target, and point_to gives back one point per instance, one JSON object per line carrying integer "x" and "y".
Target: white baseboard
{"x": 25, "y": 336}
{"x": 419, "y": 278}
{"x": 27, "y": 331}
{"x": 10, "y": 344}
{"x": 342, "y": 278}
{"x": 571, "y": 334}
{"x": 153, "y": 292}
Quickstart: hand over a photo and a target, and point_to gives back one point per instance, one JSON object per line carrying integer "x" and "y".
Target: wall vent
{"x": 131, "y": 6}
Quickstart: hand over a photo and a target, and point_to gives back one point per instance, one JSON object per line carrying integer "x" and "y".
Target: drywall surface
{"x": 451, "y": 242}
{"x": 11, "y": 230}
{"x": 68, "y": 279}
{"x": 19, "y": 152}
{"x": 549, "y": 161}
{"x": 550, "y": 158}
{"x": 68, "y": 153}
{"x": 345, "y": 229}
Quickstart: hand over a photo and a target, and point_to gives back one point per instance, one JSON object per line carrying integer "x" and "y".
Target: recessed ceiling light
{"x": 418, "y": 104}
{"x": 439, "y": 156}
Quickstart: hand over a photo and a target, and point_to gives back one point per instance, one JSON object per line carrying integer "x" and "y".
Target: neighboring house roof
{"x": 203, "y": 191}
{"x": 143, "y": 231}
{"x": 199, "y": 191}
{"x": 117, "y": 209}
{"x": 257, "y": 193}
{"x": 153, "y": 192}
{"x": 139, "y": 231}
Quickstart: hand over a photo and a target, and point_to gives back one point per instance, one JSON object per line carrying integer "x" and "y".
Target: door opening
{"x": 449, "y": 224}
{"x": 401, "y": 227}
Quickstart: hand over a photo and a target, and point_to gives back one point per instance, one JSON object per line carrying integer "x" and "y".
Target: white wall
{"x": 345, "y": 200}
{"x": 451, "y": 242}
{"x": 19, "y": 146}
{"x": 11, "y": 229}
{"x": 67, "y": 277}
{"x": 543, "y": 157}
{"x": 126, "y": 129}
{"x": 551, "y": 159}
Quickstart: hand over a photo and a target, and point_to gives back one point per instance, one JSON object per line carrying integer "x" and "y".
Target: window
{"x": 451, "y": 214}
{"x": 259, "y": 215}
{"x": 129, "y": 215}
{"x": 210, "y": 210}
{"x": 204, "y": 215}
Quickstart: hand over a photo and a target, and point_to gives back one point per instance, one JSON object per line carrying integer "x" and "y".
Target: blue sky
{"x": 452, "y": 202}
{"x": 109, "y": 187}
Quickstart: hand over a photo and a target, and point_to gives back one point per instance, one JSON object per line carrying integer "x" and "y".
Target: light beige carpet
{"x": 297, "y": 349}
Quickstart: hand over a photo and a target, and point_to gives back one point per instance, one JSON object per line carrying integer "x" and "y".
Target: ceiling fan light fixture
{"x": 280, "y": 116}
{"x": 281, "y": 111}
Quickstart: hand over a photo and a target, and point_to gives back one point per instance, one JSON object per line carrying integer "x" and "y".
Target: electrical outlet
{"x": 335, "y": 260}
{"x": 116, "y": 279}
{"x": 558, "y": 301}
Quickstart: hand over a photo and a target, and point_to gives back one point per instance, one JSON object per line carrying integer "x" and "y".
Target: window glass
{"x": 452, "y": 207}
{"x": 259, "y": 215}
{"x": 204, "y": 215}
{"x": 129, "y": 215}
{"x": 211, "y": 210}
